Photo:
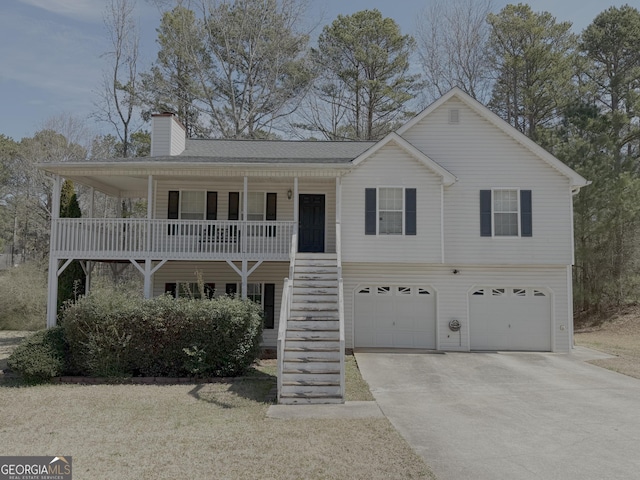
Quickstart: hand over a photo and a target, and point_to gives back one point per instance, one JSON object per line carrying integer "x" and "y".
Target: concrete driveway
{"x": 511, "y": 415}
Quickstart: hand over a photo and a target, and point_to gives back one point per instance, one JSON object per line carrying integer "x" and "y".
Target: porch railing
{"x": 176, "y": 239}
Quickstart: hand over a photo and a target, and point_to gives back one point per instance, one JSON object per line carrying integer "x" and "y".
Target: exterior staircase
{"x": 313, "y": 355}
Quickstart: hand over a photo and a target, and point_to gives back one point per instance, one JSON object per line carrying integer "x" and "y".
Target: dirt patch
{"x": 619, "y": 336}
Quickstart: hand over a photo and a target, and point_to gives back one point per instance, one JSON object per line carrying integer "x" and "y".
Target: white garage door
{"x": 395, "y": 317}
{"x": 510, "y": 319}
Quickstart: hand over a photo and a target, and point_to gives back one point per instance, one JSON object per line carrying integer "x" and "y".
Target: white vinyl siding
{"x": 391, "y": 166}
{"x": 483, "y": 157}
{"x": 453, "y": 291}
{"x": 221, "y": 273}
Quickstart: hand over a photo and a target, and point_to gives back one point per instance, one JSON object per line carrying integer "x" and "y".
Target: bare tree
{"x": 117, "y": 99}
{"x": 452, "y": 43}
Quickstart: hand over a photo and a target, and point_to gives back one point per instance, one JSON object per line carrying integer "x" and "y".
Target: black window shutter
{"x": 526, "y": 214}
{"x": 171, "y": 288}
{"x": 269, "y": 304}
{"x": 272, "y": 210}
{"x": 485, "y": 213}
{"x": 231, "y": 288}
{"x": 173, "y": 210}
{"x": 212, "y": 205}
{"x": 174, "y": 200}
{"x": 209, "y": 290}
{"x": 234, "y": 206}
{"x": 370, "y": 211}
{"x": 410, "y": 211}
{"x": 271, "y": 206}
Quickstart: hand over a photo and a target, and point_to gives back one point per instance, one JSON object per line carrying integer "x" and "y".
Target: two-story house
{"x": 453, "y": 233}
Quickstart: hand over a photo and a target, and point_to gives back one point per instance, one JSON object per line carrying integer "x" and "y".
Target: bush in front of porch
{"x": 114, "y": 333}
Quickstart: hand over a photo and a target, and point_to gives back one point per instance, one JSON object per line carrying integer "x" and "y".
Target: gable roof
{"x": 575, "y": 178}
{"x": 448, "y": 178}
{"x": 275, "y": 150}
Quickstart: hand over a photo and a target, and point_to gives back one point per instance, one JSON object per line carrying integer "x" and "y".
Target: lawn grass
{"x": 620, "y": 336}
{"x": 199, "y": 431}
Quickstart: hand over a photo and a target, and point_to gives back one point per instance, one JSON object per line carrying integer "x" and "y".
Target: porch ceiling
{"x": 135, "y": 186}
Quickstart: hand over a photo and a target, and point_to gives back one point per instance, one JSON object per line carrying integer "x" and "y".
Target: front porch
{"x": 157, "y": 239}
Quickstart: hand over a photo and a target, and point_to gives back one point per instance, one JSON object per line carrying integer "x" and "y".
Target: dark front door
{"x": 311, "y": 230}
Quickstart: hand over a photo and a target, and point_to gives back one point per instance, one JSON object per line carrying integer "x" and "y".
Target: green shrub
{"x": 114, "y": 334}
{"x": 40, "y": 356}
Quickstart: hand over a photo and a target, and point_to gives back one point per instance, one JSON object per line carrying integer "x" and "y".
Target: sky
{"x": 51, "y": 51}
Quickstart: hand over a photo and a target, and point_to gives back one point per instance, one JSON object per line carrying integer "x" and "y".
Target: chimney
{"x": 167, "y": 135}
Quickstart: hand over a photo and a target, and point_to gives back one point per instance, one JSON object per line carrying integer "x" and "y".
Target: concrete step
{"x": 313, "y": 335}
{"x": 311, "y": 390}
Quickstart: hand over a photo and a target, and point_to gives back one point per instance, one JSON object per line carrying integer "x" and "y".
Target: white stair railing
{"x": 340, "y": 308}
{"x": 285, "y": 308}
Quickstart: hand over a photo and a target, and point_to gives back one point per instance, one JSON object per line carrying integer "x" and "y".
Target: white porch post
{"x": 244, "y": 278}
{"x": 87, "y": 268}
{"x": 149, "y": 211}
{"x": 245, "y": 209}
{"x": 92, "y": 201}
{"x": 296, "y": 205}
{"x": 147, "y": 278}
{"x": 338, "y": 199}
{"x": 52, "y": 299}
{"x": 338, "y": 217}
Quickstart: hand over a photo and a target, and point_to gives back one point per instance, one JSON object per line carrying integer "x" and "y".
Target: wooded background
{"x": 245, "y": 69}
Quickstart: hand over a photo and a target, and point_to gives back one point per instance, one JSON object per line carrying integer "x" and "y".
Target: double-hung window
{"x": 506, "y": 213}
{"x": 390, "y": 211}
{"x": 192, "y": 205}
{"x": 255, "y": 206}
